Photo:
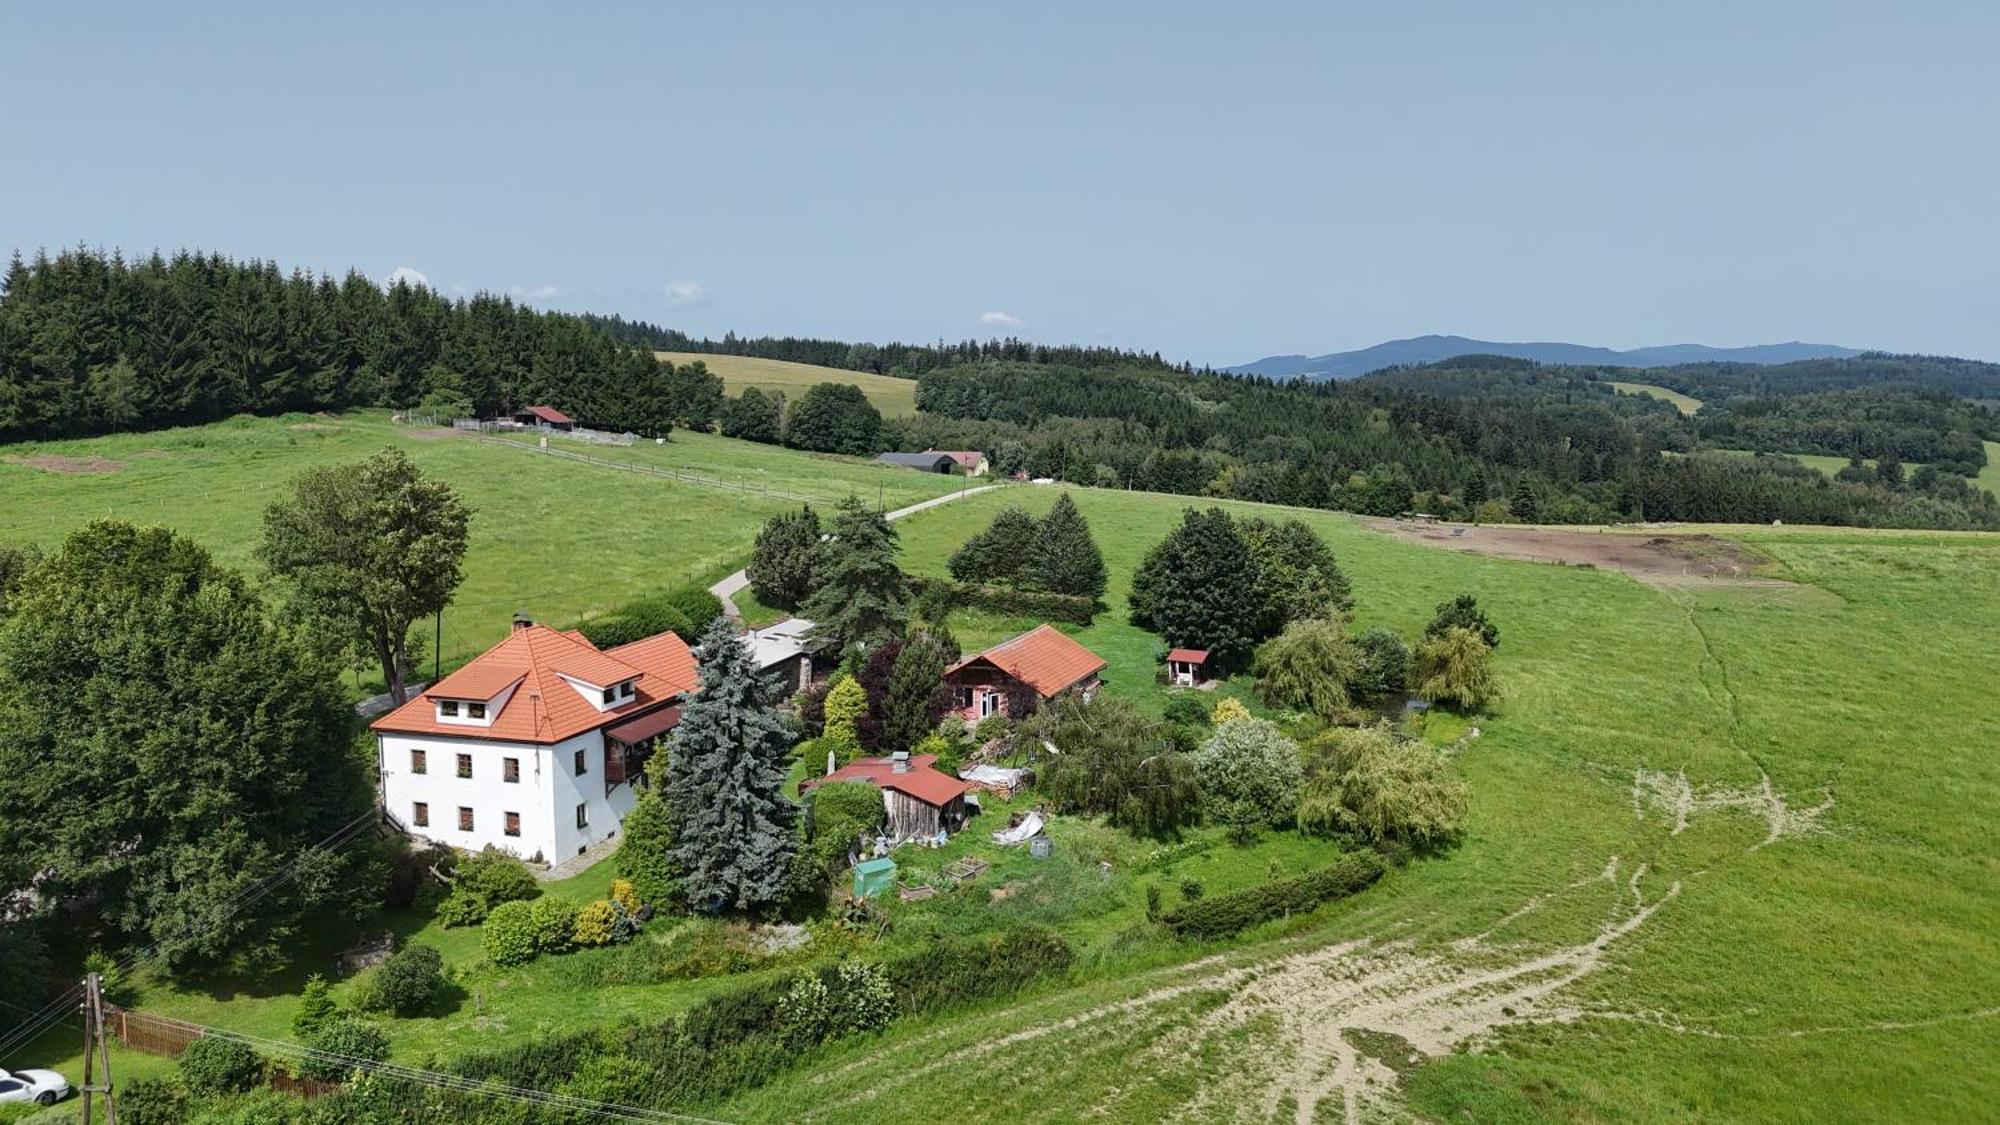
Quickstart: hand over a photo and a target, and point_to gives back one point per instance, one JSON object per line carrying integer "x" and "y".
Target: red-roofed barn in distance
{"x": 919, "y": 799}
{"x": 1016, "y": 677}
{"x": 544, "y": 417}
{"x": 535, "y": 745}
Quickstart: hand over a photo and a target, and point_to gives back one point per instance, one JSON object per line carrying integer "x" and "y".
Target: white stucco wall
{"x": 546, "y": 797}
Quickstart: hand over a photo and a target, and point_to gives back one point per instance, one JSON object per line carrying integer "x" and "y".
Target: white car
{"x": 43, "y": 1087}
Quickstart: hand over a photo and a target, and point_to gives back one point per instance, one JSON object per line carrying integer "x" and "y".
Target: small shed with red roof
{"x": 918, "y": 799}
{"x": 1187, "y": 667}
{"x": 544, "y": 418}
{"x": 1016, "y": 677}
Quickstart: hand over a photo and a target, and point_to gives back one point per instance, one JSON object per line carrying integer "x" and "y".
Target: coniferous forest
{"x": 91, "y": 343}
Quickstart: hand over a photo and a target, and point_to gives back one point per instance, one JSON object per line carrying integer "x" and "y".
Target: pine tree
{"x": 1065, "y": 559}
{"x": 1525, "y": 506}
{"x": 860, "y": 597}
{"x": 1000, "y": 553}
{"x": 1474, "y": 491}
{"x": 733, "y": 824}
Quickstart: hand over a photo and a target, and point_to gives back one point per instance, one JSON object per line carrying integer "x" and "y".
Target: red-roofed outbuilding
{"x": 918, "y": 798}
{"x": 547, "y": 416}
{"x": 1187, "y": 667}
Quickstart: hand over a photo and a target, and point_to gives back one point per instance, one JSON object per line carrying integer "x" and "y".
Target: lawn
{"x": 895, "y": 398}
{"x": 554, "y": 538}
{"x": 1683, "y": 403}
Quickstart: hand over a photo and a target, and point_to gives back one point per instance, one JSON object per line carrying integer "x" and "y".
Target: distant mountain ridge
{"x": 1431, "y": 349}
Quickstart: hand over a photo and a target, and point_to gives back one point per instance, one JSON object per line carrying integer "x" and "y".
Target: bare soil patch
{"x": 1671, "y": 559}
{"x": 57, "y": 463}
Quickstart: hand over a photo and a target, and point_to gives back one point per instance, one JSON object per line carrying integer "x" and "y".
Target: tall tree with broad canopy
{"x": 1065, "y": 559}
{"x": 781, "y": 562}
{"x": 165, "y": 747}
{"x": 860, "y": 598}
{"x": 1117, "y": 762}
{"x": 752, "y": 416}
{"x": 1197, "y": 588}
{"x": 1297, "y": 577}
{"x": 734, "y": 828}
{"x": 1310, "y": 667}
{"x": 834, "y": 418}
{"x": 370, "y": 549}
{"x": 1455, "y": 668}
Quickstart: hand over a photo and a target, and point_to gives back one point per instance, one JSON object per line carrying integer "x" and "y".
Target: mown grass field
{"x": 557, "y": 539}
{"x": 1848, "y": 970}
{"x": 1684, "y": 403}
{"x": 895, "y": 398}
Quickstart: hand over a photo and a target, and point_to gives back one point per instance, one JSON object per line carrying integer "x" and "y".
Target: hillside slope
{"x": 895, "y": 398}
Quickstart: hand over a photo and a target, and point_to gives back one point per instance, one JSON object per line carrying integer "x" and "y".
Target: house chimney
{"x": 522, "y": 621}
{"x": 899, "y": 762}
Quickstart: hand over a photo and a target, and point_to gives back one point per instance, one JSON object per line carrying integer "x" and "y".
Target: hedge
{"x": 945, "y": 594}
{"x": 685, "y": 612}
{"x": 1228, "y": 914}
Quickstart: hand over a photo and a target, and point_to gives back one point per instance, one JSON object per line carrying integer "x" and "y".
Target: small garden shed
{"x": 874, "y": 876}
{"x": 1187, "y": 667}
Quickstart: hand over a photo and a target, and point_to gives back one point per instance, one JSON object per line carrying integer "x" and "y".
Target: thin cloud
{"x": 685, "y": 292}
{"x": 535, "y": 293}
{"x": 999, "y": 320}
{"x": 405, "y": 274}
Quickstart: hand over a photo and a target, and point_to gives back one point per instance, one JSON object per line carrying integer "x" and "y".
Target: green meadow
{"x": 555, "y": 538}
{"x": 895, "y": 398}
{"x": 1730, "y": 853}
{"x": 1686, "y": 404}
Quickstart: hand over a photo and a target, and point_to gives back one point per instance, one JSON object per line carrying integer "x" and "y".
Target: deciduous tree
{"x": 1309, "y": 667}
{"x": 1456, "y": 669}
{"x": 834, "y": 418}
{"x": 369, "y": 549}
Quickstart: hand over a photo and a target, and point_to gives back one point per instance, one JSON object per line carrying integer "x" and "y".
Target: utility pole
{"x": 94, "y": 1046}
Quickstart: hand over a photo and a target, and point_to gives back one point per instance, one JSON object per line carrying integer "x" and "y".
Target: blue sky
{"x": 1215, "y": 182}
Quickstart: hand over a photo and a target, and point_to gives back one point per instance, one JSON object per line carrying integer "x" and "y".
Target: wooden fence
{"x": 168, "y": 1037}
{"x": 656, "y": 471}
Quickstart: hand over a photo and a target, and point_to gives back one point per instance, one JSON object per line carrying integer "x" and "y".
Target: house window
{"x": 510, "y": 769}
{"x": 625, "y": 690}
{"x": 420, "y": 814}
{"x": 583, "y": 816}
{"x": 465, "y": 765}
{"x": 475, "y": 710}
{"x": 449, "y": 708}
{"x": 989, "y": 703}
{"x": 464, "y": 819}
{"x": 513, "y": 827}
{"x": 582, "y": 764}
{"x": 419, "y": 762}
{"x": 611, "y": 694}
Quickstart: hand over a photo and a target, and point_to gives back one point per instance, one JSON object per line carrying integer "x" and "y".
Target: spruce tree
{"x": 916, "y": 696}
{"x": 860, "y": 598}
{"x": 733, "y": 824}
{"x": 1000, "y": 553}
{"x": 1525, "y": 506}
{"x": 1198, "y": 588}
{"x": 1065, "y": 559}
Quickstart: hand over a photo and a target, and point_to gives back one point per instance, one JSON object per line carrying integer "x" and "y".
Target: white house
{"x": 535, "y": 745}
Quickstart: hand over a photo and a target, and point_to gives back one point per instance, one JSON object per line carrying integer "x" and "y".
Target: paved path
{"x": 728, "y": 588}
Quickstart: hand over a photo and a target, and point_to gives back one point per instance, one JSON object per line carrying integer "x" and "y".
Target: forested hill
{"x": 906, "y": 360}
{"x": 1443, "y": 349}
{"x": 1711, "y": 382}
{"x": 1495, "y": 439}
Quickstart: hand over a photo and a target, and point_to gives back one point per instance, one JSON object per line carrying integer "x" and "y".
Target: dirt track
{"x": 1668, "y": 559}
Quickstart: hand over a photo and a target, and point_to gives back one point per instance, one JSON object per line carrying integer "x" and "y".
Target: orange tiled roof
{"x": 1042, "y": 658}
{"x": 924, "y": 781}
{"x": 544, "y": 708}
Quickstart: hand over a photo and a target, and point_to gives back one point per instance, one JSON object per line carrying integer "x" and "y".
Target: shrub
{"x": 316, "y": 1007}
{"x": 625, "y": 895}
{"x": 151, "y": 1101}
{"x": 1209, "y": 918}
{"x": 645, "y": 860}
{"x": 867, "y": 1002}
{"x": 1152, "y": 902}
{"x": 695, "y": 604}
{"x": 407, "y": 982}
{"x": 338, "y": 1045}
{"x": 110, "y": 977}
{"x": 1249, "y": 773}
{"x": 1463, "y": 612}
{"x": 1385, "y": 664}
{"x": 552, "y": 918}
{"x": 509, "y": 934}
{"x": 482, "y": 882}
{"x": 1191, "y": 888}
{"x": 1456, "y": 669}
{"x": 781, "y": 563}
{"x": 1186, "y": 710}
{"x": 992, "y": 727}
{"x": 214, "y": 1064}
{"x": 1226, "y": 709}
{"x": 636, "y": 624}
{"x": 846, "y": 703}
{"x": 1384, "y": 789}
{"x": 594, "y": 924}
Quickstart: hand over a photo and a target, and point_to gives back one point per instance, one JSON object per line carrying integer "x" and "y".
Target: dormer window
{"x": 625, "y": 690}
{"x": 449, "y": 708}
{"x": 475, "y": 710}
{"x": 611, "y": 694}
